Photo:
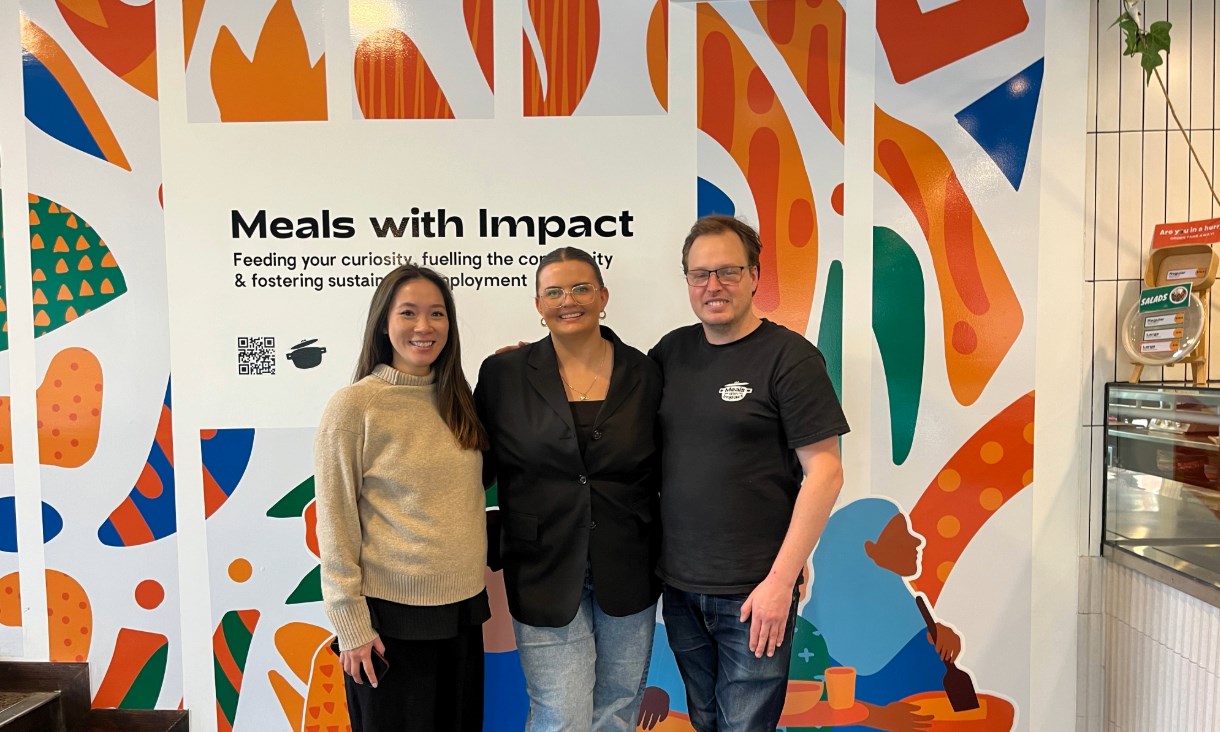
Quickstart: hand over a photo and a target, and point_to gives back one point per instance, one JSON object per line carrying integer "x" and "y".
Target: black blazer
{"x": 560, "y": 509}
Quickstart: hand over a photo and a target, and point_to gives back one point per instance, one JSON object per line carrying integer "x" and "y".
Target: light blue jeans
{"x": 589, "y": 674}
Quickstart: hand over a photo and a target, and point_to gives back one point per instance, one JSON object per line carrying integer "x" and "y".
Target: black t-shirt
{"x": 731, "y": 417}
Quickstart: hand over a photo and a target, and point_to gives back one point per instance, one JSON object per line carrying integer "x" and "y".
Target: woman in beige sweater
{"x": 401, "y": 523}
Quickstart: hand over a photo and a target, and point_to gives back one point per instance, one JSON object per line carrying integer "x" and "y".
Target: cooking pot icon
{"x": 305, "y": 355}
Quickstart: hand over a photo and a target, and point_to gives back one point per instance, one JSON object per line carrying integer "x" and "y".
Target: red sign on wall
{"x": 1188, "y": 232}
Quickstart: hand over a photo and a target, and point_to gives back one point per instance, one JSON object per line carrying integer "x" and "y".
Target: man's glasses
{"x": 553, "y": 297}
{"x": 726, "y": 275}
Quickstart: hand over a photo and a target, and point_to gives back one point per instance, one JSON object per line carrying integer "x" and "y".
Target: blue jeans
{"x": 590, "y": 673}
{"x": 727, "y": 688}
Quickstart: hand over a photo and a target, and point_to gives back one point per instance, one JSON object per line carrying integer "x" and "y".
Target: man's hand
{"x": 948, "y": 643}
{"x": 767, "y": 610}
{"x": 362, "y": 658}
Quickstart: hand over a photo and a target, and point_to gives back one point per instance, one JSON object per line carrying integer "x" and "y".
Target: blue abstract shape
{"x": 711, "y": 200}
{"x": 504, "y": 691}
{"x": 225, "y": 457}
{"x": 50, "y": 109}
{"x": 1002, "y": 121}
{"x": 52, "y": 523}
{"x": 663, "y": 671}
{"x": 154, "y": 516}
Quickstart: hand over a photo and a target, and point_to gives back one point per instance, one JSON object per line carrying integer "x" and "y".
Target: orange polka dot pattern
{"x": 70, "y": 617}
{"x": 70, "y": 409}
{"x": 992, "y": 467}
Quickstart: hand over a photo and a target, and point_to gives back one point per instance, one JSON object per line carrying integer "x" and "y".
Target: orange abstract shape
{"x": 149, "y": 594}
{"x": 41, "y": 46}
{"x": 393, "y": 80}
{"x": 10, "y": 598}
{"x": 918, "y": 42}
{"x": 982, "y": 316}
{"x": 311, "y": 529}
{"x": 994, "y": 714}
{"x": 811, "y": 38}
{"x": 278, "y": 83}
{"x": 192, "y": 11}
{"x": 122, "y": 37}
{"x": 133, "y": 649}
{"x": 323, "y": 706}
{"x": 479, "y": 27}
{"x": 69, "y": 409}
{"x": 984, "y": 474}
{"x": 568, "y": 33}
{"x": 657, "y": 45}
{"x": 69, "y": 618}
{"x": 739, "y": 109}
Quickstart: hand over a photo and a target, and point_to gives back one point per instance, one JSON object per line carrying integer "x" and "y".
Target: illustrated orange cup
{"x": 841, "y": 687}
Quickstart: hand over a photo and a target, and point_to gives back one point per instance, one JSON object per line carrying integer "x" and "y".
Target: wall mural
{"x": 953, "y": 288}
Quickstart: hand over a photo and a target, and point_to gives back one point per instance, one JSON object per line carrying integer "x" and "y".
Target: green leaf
{"x": 309, "y": 589}
{"x": 293, "y": 504}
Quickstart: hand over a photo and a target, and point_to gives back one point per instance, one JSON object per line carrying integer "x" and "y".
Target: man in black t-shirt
{"x": 750, "y": 471}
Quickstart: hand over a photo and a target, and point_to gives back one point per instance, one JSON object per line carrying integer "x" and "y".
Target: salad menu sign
{"x": 1163, "y": 310}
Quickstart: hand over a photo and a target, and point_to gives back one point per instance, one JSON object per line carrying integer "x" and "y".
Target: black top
{"x": 584, "y": 414}
{"x": 564, "y": 510}
{"x": 427, "y": 622}
{"x": 731, "y": 417}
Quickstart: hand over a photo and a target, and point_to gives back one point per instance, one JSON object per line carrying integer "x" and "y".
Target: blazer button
{"x": 583, "y": 480}
{"x": 592, "y": 525}
{"x": 597, "y": 434}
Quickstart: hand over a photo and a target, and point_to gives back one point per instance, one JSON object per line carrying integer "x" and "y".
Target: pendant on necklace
{"x": 584, "y": 397}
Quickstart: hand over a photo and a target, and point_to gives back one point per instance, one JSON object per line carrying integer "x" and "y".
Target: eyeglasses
{"x": 726, "y": 275}
{"x": 553, "y": 297}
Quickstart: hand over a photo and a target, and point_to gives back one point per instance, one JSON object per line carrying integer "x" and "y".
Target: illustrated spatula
{"x": 959, "y": 687}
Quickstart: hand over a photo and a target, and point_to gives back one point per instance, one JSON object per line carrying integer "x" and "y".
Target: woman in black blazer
{"x": 574, "y": 452}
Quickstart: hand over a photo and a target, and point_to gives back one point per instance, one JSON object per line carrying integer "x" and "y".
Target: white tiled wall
{"x": 1150, "y": 656}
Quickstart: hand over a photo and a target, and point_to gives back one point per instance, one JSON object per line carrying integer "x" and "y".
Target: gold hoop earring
{"x": 603, "y": 315}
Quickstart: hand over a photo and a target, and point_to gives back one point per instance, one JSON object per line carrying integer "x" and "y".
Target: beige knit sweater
{"x": 400, "y": 503}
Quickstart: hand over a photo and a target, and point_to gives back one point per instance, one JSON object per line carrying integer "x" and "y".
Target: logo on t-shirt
{"x": 735, "y": 391}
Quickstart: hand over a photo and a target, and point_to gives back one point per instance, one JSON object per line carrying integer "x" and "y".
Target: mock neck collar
{"x": 388, "y": 373}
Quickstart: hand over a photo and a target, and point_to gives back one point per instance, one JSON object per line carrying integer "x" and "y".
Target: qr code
{"x": 255, "y": 355}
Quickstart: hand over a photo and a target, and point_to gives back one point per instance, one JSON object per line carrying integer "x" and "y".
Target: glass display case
{"x": 1162, "y": 477}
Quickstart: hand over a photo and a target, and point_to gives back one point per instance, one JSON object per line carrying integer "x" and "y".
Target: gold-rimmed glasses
{"x": 582, "y": 294}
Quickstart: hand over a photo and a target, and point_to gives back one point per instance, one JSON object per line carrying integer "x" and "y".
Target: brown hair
{"x": 453, "y": 398}
{"x": 718, "y": 224}
{"x": 568, "y": 254}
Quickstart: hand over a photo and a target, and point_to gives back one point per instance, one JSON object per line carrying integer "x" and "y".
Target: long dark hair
{"x": 453, "y": 398}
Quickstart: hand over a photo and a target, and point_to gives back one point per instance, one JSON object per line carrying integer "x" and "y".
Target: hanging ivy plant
{"x": 1147, "y": 44}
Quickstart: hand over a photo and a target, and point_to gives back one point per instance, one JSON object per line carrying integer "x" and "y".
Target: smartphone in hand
{"x": 380, "y": 666}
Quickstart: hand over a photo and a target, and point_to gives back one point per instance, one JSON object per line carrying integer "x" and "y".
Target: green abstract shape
{"x": 491, "y": 496}
{"x": 810, "y": 659}
{"x": 293, "y": 505}
{"x": 830, "y": 329}
{"x": 226, "y": 695}
{"x": 146, "y": 688}
{"x": 309, "y": 589}
{"x": 237, "y": 638}
{"x": 899, "y": 326}
{"x": 80, "y": 277}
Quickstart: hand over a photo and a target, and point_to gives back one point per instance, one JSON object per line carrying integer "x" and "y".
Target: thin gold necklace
{"x": 584, "y": 395}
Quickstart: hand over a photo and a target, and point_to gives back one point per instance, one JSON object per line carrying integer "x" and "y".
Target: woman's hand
{"x": 654, "y": 708}
{"x": 948, "y": 643}
{"x": 362, "y": 658}
{"x": 897, "y": 717}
